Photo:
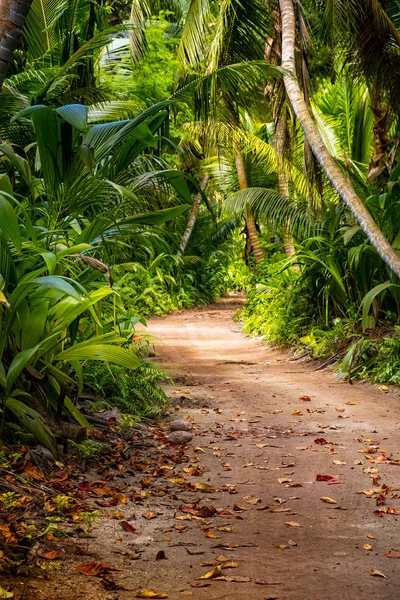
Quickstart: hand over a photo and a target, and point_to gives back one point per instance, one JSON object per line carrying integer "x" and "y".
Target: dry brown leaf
{"x": 49, "y": 555}
{"x": 393, "y": 554}
{"x": 251, "y": 499}
{"x": 370, "y": 536}
{"x": 95, "y": 568}
{"x": 149, "y": 515}
{"x": 377, "y": 573}
{"x": 293, "y": 524}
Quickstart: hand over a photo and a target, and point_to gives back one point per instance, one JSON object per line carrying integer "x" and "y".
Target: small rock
{"x": 180, "y": 425}
{"x": 180, "y": 437}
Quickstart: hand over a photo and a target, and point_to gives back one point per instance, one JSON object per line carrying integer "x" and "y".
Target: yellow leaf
{"x": 292, "y": 524}
{"x": 367, "y": 547}
{"x": 216, "y": 572}
{"x": 328, "y": 500}
{"x": 210, "y": 534}
{"x": 351, "y": 402}
{"x": 377, "y": 573}
{"x": 204, "y": 487}
{"x": 285, "y": 480}
{"x": 297, "y": 413}
{"x": 370, "y": 536}
{"x": 251, "y": 499}
{"x": 150, "y": 594}
{"x": 339, "y": 462}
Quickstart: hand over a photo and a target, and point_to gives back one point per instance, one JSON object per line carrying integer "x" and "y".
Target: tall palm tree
{"x": 339, "y": 181}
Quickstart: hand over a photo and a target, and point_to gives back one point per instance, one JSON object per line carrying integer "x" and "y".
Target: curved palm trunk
{"x": 248, "y": 213}
{"x": 327, "y": 162}
{"x": 193, "y": 217}
{"x": 12, "y": 18}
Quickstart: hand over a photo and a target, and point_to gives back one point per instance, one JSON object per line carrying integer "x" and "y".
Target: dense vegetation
{"x": 154, "y": 156}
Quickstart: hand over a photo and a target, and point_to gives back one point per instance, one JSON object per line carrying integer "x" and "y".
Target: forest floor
{"x": 266, "y": 500}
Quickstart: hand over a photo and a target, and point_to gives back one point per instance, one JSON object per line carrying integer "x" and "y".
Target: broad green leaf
{"x": 75, "y": 115}
{"x": 18, "y": 364}
{"x": 9, "y": 222}
{"x": 370, "y": 297}
{"x": 103, "y": 352}
{"x": 156, "y": 217}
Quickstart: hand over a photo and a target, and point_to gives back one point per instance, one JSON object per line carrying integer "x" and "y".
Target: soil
{"x": 264, "y": 427}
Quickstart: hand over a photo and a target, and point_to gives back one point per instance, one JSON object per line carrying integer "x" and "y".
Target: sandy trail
{"x": 252, "y": 430}
{"x": 233, "y": 383}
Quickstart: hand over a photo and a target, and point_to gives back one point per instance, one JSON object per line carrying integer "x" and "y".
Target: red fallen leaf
{"x": 380, "y": 500}
{"x": 340, "y": 410}
{"x": 378, "y": 513}
{"x": 264, "y": 582}
{"x": 393, "y": 554}
{"x": 83, "y": 487}
{"x": 96, "y": 568}
{"x": 50, "y": 555}
{"x": 321, "y": 441}
{"x": 329, "y": 478}
{"x": 188, "y": 509}
{"x": 304, "y": 399}
{"x": 127, "y": 527}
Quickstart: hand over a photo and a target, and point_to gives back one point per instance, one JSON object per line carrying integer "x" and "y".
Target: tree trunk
{"x": 193, "y": 216}
{"x": 248, "y": 213}
{"x": 12, "y": 18}
{"x": 283, "y": 182}
{"x": 339, "y": 181}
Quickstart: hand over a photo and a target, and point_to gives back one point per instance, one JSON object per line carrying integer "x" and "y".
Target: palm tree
{"x": 339, "y": 181}
{"x": 12, "y": 19}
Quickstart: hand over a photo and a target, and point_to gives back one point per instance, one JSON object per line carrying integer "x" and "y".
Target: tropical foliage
{"x": 149, "y": 152}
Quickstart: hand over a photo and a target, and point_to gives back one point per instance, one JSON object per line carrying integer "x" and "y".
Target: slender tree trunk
{"x": 193, "y": 216}
{"x": 283, "y": 182}
{"x": 248, "y": 213}
{"x": 12, "y": 18}
{"x": 339, "y": 181}
{"x": 379, "y": 168}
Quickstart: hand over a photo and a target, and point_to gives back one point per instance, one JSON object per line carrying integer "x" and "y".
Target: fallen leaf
{"x": 160, "y": 555}
{"x": 377, "y": 573}
{"x": 292, "y": 543}
{"x": 328, "y": 500}
{"x": 210, "y": 534}
{"x": 297, "y": 413}
{"x": 367, "y": 547}
{"x": 264, "y": 582}
{"x": 285, "y": 480}
{"x": 339, "y": 462}
{"x": 200, "y": 584}
{"x": 150, "y": 594}
{"x": 149, "y": 515}
{"x": 204, "y": 487}
{"x": 5, "y": 594}
{"x": 370, "y": 536}
{"x": 95, "y": 568}
{"x": 351, "y": 402}
{"x": 305, "y": 399}
{"x": 216, "y": 572}
{"x": 251, "y": 499}
{"x": 49, "y": 556}
{"x": 127, "y": 527}
{"x": 234, "y": 578}
{"x": 292, "y": 524}
{"x": 393, "y": 554}
{"x": 329, "y": 478}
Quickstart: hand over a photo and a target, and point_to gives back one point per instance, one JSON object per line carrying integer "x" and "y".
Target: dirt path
{"x": 256, "y": 440}
{"x": 244, "y": 398}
